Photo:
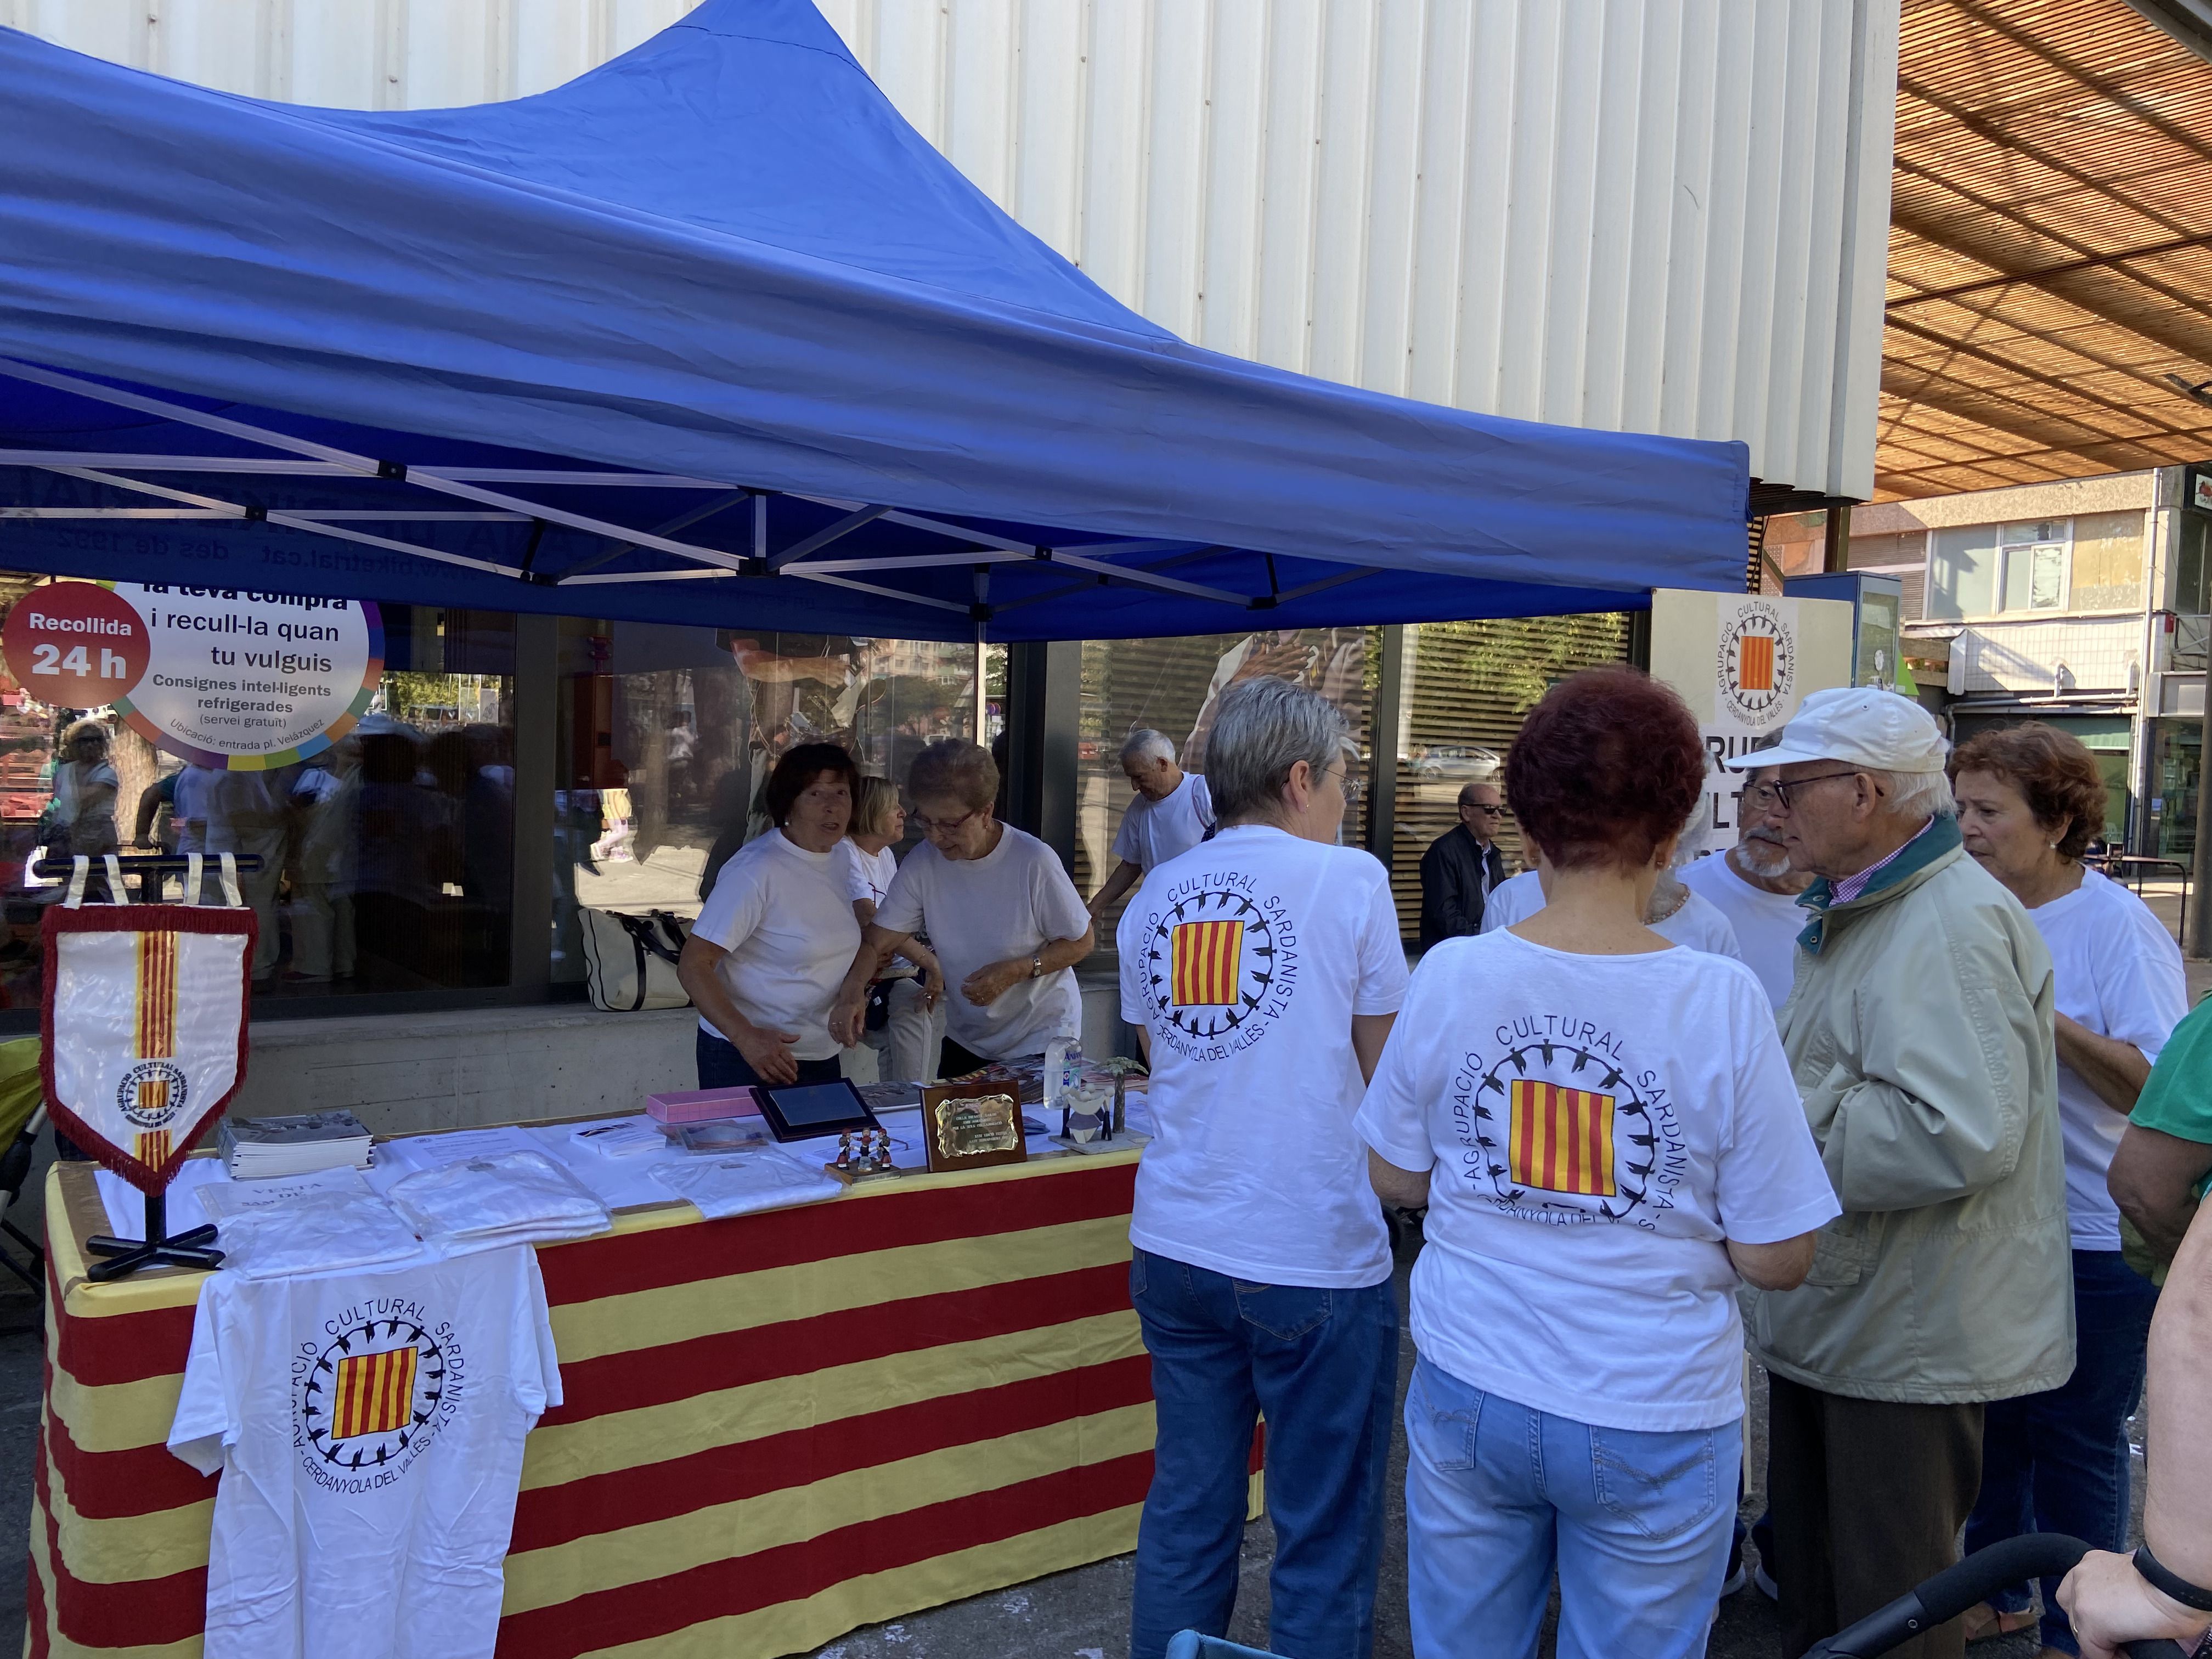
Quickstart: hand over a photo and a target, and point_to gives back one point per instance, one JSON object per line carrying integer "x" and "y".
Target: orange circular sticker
{"x": 76, "y": 644}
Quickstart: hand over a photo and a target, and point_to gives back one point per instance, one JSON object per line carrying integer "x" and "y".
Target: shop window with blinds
{"x": 665, "y": 737}
{"x": 1173, "y": 686}
{"x": 1467, "y": 685}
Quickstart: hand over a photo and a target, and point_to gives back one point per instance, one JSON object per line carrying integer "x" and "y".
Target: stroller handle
{"x": 1951, "y": 1592}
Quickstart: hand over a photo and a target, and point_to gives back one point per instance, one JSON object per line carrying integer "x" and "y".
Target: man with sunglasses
{"x": 1462, "y": 866}
{"x": 1920, "y": 1038}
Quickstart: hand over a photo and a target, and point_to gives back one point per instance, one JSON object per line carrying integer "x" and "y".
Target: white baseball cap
{"x": 1860, "y": 726}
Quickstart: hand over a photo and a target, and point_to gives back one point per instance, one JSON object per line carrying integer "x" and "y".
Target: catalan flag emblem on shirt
{"x": 1755, "y": 662}
{"x": 1562, "y": 1139}
{"x": 376, "y": 1394}
{"x": 1209, "y": 959}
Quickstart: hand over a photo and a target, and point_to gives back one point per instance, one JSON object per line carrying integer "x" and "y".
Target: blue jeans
{"x": 1324, "y": 1367}
{"x": 1499, "y": 1496}
{"x": 2058, "y": 1462}
{"x": 721, "y": 1066}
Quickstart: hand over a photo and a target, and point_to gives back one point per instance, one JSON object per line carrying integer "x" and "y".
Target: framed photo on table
{"x": 972, "y": 1126}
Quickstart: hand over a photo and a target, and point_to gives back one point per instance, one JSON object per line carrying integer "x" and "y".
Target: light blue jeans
{"x": 1499, "y": 1496}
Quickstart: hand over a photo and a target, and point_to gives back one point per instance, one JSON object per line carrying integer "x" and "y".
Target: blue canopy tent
{"x": 711, "y": 336}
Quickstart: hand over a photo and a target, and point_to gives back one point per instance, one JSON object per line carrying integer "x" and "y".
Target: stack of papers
{"x": 498, "y": 1197}
{"x": 255, "y": 1148}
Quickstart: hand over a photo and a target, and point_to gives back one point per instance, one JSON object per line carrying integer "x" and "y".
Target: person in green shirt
{"x": 2164, "y": 1161}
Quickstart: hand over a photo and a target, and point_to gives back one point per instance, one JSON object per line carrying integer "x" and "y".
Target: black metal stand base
{"x": 156, "y": 1249}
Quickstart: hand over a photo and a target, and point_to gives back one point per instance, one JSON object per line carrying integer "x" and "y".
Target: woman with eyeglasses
{"x": 768, "y": 954}
{"x": 1006, "y": 922}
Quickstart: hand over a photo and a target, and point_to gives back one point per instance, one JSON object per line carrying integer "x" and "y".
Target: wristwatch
{"x": 1037, "y": 964}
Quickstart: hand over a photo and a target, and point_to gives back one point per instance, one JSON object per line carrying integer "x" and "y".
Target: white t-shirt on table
{"x": 1154, "y": 831}
{"x": 1766, "y": 925}
{"x": 2117, "y": 970}
{"x": 784, "y": 916}
{"x": 369, "y": 1429}
{"x": 1245, "y": 959}
{"x": 1698, "y": 924}
{"x": 1595, "y": 1127}
{"x": 1010, "y": 902}
{"x": 866, "y": 875}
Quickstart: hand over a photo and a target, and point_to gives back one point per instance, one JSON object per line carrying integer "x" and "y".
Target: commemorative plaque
{"x": 972, "y": 1126}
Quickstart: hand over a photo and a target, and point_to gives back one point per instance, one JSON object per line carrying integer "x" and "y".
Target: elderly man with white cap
{"x": 1920, "y": 1036}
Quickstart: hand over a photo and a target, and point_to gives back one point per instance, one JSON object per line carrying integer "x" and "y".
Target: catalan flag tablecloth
{"x": 777, "y": 1426}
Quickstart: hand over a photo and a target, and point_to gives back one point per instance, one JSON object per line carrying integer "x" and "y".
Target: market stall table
{"x": 778, "y": 1426}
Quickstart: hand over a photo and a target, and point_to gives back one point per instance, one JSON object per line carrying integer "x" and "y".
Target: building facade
{"x": 2082, "y": 604}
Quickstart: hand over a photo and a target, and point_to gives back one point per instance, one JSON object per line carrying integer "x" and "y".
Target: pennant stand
{"x": 134, "y": 1089}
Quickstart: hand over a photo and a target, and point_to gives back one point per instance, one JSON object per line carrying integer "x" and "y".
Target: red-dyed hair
{"x": 1608, "y": 766}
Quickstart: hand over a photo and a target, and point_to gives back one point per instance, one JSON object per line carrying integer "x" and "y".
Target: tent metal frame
{"x": 303, "y": 458}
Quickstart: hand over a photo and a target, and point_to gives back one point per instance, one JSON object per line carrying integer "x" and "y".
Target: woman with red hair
{"x": 1607, "y": 1136}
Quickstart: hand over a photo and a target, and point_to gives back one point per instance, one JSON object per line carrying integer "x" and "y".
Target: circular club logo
{"x": 76, "y": 644}
{"x": 1758, "y": 664}
{"x": 1216, "y": 961}
{"x": 1563, "y": 1132}
{"x": 372, "y": 1398}
{"x": 152, "y": 1092}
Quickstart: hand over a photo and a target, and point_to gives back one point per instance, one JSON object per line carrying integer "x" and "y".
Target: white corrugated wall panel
{"x": 1663, "y": 216}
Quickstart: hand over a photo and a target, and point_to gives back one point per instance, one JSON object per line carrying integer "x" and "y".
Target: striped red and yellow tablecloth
{"x": 777, "y": 1427}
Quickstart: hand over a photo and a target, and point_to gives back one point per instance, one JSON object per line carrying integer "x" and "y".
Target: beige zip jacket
{"x": 1919, "y": 1032}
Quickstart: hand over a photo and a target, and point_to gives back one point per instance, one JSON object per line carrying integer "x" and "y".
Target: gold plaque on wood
{"x": 972, "y": 1126}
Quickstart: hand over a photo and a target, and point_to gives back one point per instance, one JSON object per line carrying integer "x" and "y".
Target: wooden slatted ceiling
{"x": 2050, "y": 247}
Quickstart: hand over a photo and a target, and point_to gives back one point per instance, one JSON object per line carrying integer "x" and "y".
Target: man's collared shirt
{"x": 1851, "y": 886}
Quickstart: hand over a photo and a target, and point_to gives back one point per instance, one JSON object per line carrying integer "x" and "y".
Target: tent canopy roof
{"x": 711, "y": 335}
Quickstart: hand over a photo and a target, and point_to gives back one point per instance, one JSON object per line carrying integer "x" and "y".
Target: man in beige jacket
{"x": 1919, "y": 1033}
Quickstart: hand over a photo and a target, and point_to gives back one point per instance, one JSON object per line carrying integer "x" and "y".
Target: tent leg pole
{"x": 1384, "y": 720}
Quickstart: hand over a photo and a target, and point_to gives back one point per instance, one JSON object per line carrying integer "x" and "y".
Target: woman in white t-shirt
{"x": 1001, "y": 914}
{"x": 768, "y": 951}
{"x": 1605, "y": 1133}
{"x": 905, "y": 1040}
{"x": 2030, "y": 797}
{"x": 1678, "y": 913}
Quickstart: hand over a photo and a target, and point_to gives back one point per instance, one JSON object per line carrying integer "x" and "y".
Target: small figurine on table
{"x": 845, "y": 1151}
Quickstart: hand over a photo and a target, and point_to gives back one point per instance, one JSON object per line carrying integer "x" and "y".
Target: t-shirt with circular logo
{"x": 1595, "y": 1127}
{"x": 1245, "y": 960}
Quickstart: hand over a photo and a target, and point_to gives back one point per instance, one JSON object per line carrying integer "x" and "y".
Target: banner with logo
{"x": 225, "y": 677}
{"x": 1743, "y": 662}
{"x": 145, "y": 1028}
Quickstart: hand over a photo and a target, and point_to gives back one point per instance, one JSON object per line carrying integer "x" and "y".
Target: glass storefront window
{"x": 2176, "y": 758}
{"x": 387, "y": 860}
{"x": 1173, "y": 686}
{"x": 667, "y": 735}
{"x": 1465, "y": 687}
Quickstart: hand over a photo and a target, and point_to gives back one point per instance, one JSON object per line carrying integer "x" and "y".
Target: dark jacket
{"x": 1451, "y": 885}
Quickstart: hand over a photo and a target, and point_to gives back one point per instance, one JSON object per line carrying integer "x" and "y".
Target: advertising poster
{"x": 224, "y": 678}
{"x": 1743, "y": 662}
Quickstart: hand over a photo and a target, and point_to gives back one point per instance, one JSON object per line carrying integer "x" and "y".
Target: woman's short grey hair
{"x": 1145, "y": 743}
{"x": 1917, "y": 794}
{"x": 1262, "y": 729}
{"x": 965, "y": 771}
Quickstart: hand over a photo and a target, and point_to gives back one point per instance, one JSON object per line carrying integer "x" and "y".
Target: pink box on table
{"x": 702, "y": 1105}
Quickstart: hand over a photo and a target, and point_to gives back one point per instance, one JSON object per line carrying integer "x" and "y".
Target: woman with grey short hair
{"x": 1262, "y": 970}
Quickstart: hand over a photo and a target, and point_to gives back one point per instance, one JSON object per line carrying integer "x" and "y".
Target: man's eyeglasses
{"x": 1763, "y": 797}
{"x": 929, "y": 826}
{"x": 1488, "y": 811}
